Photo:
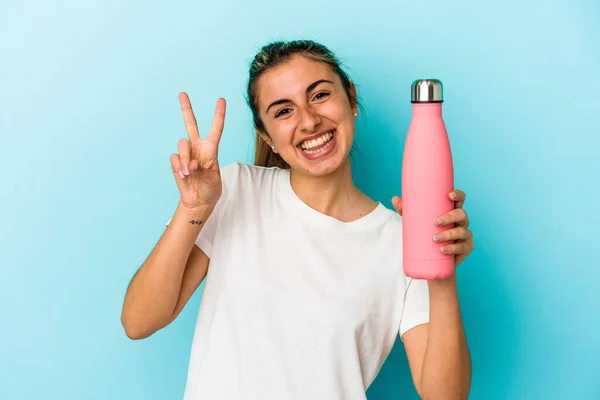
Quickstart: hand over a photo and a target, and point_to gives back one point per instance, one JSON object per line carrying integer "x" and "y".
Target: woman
{"x": 305, "y": 294}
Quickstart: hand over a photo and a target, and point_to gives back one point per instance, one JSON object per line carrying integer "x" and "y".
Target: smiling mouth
{"x": 316, "y": 146}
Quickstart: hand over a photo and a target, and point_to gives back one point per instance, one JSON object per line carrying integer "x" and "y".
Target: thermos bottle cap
{"x": 426, "y": 91}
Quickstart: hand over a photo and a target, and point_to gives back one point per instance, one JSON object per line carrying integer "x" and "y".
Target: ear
{"x": 266, "y": 138}
{"x": 353, "y": 101}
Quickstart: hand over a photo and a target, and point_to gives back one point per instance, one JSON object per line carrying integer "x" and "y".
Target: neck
{"x": 333, "y": 194}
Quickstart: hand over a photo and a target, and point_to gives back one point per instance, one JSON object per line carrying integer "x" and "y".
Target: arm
{"x": 437, "y": 352}
{"x": 167, "y": 279}
{"x": 175, "y": 267}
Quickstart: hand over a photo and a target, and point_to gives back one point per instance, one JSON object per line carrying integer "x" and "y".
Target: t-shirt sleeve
{"x": 229, "y": 178}
{"x": 416, "y": 305}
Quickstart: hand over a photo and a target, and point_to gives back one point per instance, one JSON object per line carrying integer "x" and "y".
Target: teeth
{"x": 310, "y": 144}
{"x": 318, "y": 150}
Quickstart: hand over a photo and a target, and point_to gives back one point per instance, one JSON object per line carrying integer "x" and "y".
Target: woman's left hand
{"x": 463, "y": 238}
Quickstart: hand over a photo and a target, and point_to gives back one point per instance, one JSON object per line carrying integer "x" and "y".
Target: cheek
{"x": 345, "y": 122}
{"x": 337, "y": 110}
{"x": 341, "y": 114}
{"x": 282, "y": 133}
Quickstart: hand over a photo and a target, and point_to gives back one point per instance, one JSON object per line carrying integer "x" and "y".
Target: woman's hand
{"x": 463, "y": 237}
{"x": 196, "y": 168}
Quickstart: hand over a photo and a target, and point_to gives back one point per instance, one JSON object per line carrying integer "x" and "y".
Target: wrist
{"x": 200, "y": 213}
{"x": 443, "y": 285}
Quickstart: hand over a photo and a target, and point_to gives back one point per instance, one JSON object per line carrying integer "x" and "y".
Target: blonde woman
{"x": 305, "y": 293}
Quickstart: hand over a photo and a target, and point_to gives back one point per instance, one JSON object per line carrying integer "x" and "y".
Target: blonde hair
{"x": 270, "y": 56}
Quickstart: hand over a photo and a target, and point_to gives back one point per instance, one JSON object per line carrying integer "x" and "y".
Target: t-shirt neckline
{"x": 308, "y": 214}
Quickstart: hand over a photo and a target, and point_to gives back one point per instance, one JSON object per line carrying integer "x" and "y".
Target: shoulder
{"x": 242, "y": 177}
{"x": 393, "y": 221}
{"x": 243, "y": 171}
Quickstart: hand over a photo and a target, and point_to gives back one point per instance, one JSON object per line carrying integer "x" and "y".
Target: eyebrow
{"x": 308, "y": 89}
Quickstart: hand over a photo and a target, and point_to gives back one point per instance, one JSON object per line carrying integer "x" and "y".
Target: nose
{"x": 310, "y": 120}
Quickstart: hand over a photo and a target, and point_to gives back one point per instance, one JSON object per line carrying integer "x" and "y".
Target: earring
{"x": 356, "y": 113}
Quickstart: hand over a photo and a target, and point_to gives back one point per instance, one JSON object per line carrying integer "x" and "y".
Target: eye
{"x": 321, "y": 95}
{"x": 281, "y": 112}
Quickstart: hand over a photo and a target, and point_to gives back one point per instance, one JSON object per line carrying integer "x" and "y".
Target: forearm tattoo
{"x": 196, "y": 221}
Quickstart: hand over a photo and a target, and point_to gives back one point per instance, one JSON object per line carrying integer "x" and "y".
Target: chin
{"x": 323, "y": 169}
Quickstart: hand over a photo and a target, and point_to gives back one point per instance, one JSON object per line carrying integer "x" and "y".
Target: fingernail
{"x": 439, "y": 221}
{"x": 445, "y": 249}
{"x": 453, "y": 195}
{"x": 186, "y": 169}
{"x": 437, "y": 237}
{"x": 180, "y": 174}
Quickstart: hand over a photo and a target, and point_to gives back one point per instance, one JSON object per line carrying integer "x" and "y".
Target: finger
{"x": 176, "y": 166}
{"x": 184, "y": 155}
{"x": 188, "y": 117}
{"x": 214, "y": 135}
{"x": 397, "y": 203}
{"x": 194, "y": 166}
{"x": 452, "y": 234}
{"x": 454, "y": 216}
{"x": 456, "y": 248}
{"x": 465, "y": 223}
{"x": 459, "y": 197}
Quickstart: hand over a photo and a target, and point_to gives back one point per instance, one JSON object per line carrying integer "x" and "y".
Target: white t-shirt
{"x": 296, "y": 304}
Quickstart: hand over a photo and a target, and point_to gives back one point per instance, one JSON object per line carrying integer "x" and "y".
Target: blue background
{"x": 89, "y": 117}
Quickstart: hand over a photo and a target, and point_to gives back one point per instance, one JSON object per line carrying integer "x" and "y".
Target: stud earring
{"x": 356, "y": 113}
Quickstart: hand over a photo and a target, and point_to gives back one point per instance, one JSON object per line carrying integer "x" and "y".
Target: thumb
{"x": 397, "y": 203}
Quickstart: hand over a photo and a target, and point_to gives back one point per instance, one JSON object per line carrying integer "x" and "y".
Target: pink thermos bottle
{"x": 427, "y": 180}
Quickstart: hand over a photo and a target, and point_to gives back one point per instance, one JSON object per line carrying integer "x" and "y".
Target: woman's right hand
{"x": 196, "y": 168}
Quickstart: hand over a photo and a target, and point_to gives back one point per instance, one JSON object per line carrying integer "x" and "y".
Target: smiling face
{"x": 307, "y": 115}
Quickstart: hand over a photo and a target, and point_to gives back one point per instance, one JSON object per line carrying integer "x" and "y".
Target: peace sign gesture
{"x": 196, "y": 168}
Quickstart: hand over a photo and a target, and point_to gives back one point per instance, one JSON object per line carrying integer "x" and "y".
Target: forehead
{"x": 291, "y": 78}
